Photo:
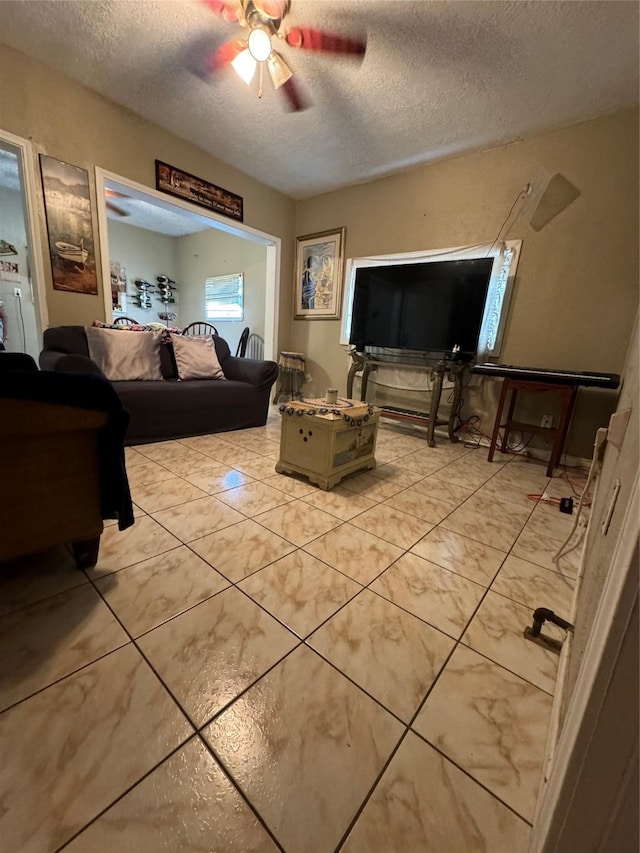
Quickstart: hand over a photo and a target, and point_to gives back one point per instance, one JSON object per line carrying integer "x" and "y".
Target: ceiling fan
{"x": 265, "y": 21}
{"x": 119, "y": 211}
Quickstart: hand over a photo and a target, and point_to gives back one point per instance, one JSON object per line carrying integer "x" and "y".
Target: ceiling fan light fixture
{"x": 245, "y": 66}
{"x": 259, "y": 44}
{"x": 279, "y": 71}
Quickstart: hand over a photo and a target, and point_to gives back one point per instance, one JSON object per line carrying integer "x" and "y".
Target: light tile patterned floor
{"x": 259, "y": 665}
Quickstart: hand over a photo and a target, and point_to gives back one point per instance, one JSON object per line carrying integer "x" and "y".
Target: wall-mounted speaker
{"x": 549, "y": 196}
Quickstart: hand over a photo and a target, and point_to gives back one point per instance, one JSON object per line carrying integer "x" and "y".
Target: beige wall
{"x": 576, "y": 292}
{"x": 144, "y": 254}
{"x": 209, "y": 253}
{"x": 67, "y": 121}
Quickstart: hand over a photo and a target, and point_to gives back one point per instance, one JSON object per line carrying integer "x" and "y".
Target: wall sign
{"x": 183, "y": 185}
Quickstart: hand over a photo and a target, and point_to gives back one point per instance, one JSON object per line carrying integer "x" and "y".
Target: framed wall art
{"x": 198, "y": 191}
{"x": 67, "y": 205}
{"x": 319, "y": 270}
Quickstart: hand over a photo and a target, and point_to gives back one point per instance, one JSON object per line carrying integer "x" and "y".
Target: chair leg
{"x": 507, "y": 425}
{"x": 496, "y": 426}
{"x": 85, "y": 552}
{"x": 279, "y": 388}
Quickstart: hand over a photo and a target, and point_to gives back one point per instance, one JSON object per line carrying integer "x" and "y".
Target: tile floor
{"x": 260, "y": 665}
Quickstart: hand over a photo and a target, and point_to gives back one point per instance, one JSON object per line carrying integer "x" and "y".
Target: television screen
{"x": 430, "y": 307}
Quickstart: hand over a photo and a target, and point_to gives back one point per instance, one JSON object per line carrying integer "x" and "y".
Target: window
{"x": 223, "y": 297}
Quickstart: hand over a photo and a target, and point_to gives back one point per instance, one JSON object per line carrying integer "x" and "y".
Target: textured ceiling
{"x": 132, "y": 207}
{"x": 438, "y": 78}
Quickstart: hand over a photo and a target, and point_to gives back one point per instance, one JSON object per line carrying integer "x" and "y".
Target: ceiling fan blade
{"x": 307, "y": 38}
{"x": 295, "y": 101}
{"x": 228, "y": 11}
{"x": 120, "y": 211}
{"x": 225, "y": 55}
{"x": 115, "y": 194}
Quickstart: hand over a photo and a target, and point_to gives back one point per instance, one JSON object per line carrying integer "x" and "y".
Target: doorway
{"x": 24, "y": 313}
{"x": 147, "y": 238}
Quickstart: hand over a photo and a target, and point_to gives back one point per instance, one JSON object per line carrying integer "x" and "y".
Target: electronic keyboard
{"x": 542, "y": 374}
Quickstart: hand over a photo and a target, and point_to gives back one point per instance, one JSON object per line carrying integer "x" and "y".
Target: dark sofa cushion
{"x": 177, "y": 409}
{"x": 74, "y": 363}
{"x": 222, "y": 350}
{"x": 66, "y": 339}
{"x": 168, "y": 366}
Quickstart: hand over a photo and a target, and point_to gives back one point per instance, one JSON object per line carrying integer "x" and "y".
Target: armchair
{"x": 62, "y": 464}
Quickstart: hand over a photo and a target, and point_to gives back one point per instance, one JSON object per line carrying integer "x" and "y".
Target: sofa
{"x": 170, "y": 407}
{"x": 63, "y": 466}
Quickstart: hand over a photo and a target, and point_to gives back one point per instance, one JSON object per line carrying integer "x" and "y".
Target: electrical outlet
{"x": 17, "y": 292}
{"x": 547, "y": 421}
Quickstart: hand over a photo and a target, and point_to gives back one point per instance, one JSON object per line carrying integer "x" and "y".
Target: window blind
{"x": 223, "y": 297}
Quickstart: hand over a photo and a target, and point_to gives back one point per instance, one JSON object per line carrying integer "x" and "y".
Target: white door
{"x": 23, "y": 310}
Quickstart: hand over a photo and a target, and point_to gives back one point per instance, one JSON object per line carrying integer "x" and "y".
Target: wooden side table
{"x": 365, "y": 364}
{"x": 557, "y": 435}
{"x": 291, "y": 371}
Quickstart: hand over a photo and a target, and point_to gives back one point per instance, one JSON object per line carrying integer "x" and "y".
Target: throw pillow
{"x": 196, "y": 357}
{"x": 167, "y": 331}
{"x": 129, "y": 327}
{"x": 125, "y": 357}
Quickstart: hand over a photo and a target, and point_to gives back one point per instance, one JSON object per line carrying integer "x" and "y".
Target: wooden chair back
{"x": 200, "y": 328}
{"x": 242, "y": 343}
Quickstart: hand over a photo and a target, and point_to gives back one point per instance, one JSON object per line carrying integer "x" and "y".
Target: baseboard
{"x": 553, "y": 732}
{"x": 569, "y": 461}
{"x": 531, "y": 453}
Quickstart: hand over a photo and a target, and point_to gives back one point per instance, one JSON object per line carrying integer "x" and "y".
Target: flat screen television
{"x": 430, "y": 307}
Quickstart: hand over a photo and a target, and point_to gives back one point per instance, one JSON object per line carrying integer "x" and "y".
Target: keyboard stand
{"x": 365, "y": 364}
{"x": 557, "y": 435}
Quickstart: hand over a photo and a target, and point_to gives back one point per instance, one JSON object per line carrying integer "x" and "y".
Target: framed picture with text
{"x": 198, "y": 191}
{"x": 319, "y": 270}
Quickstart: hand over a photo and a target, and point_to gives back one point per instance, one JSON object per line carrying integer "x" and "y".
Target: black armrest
{"x": 60, "y": 362}
{"x": 11, "y": 361}
{"x": 256, "y": 372}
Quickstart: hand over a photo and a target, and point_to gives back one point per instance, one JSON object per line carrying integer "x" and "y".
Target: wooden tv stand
{"x": 365, "y": 363}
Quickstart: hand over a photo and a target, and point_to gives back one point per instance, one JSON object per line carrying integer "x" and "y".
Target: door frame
{"x": 603, "y": 647}
{"x": 35, "y": 254}
{"x": 272, "y": 244}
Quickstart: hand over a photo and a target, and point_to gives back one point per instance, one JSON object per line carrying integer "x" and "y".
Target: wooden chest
{"x": 326, "y": 444}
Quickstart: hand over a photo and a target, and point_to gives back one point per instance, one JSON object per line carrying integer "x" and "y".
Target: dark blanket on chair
{"x": 82, "y": 391}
